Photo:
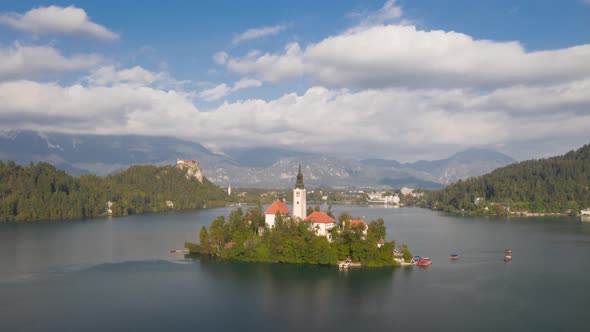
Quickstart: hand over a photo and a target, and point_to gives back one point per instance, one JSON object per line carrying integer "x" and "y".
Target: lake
{"x": 118, "y": 275}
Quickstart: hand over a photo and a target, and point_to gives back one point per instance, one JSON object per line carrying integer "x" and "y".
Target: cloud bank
{"x": 403, "y": 56}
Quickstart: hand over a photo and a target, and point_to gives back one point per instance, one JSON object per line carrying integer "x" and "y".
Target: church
{"x": 318, "y": 221}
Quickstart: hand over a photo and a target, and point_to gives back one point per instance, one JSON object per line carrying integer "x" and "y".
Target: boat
{"x": 508, "y": 251}
{"x": 179, "y": 251}
{"x": 507, "y": 258}
{"x": 425, "y": 261}
{"x": 454, "y": 257}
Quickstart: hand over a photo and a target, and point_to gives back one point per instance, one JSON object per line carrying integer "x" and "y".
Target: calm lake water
{"x": 118, "y": 274}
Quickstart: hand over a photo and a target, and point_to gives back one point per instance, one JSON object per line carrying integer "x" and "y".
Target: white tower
{"x": 299, "y": 199}
{"x": 229, "y": 190}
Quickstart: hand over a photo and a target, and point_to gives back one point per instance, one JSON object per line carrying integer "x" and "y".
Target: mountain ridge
{"x": 263, "y": 167}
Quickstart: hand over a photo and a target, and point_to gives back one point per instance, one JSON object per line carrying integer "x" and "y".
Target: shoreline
{"x": 197, "y": 255}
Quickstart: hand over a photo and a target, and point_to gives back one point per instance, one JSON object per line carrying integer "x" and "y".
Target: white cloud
{"x": 20, "y": 61}
{"x": 271, "y": 67}
{"x": 220, "y": 58}
{"x": 96, "y": 109}
{"x": 404, "y": 56}
{"x": 215, "y": 93}
{"x": 246, "y": 83}
{"x": 55, "y": 19}
{"x": 110, "y": 75}
{"x": 258, "y": 33}
{"x": 222, "y": 90}
{"x": 398, "y": 55}
{"x": 390, "y": 11}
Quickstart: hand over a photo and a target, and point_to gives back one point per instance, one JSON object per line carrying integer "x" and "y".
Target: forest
{"x": 42, "y": 192}
{"x": 557, "y": 185}
{"x": 244, "y": 237}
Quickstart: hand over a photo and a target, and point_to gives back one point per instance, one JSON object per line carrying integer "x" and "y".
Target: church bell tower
{"x": 299, "y": 202}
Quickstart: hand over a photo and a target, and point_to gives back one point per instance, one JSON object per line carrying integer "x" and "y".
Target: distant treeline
{"x": 554, "y": 185}
{"x": 42, "y": 192}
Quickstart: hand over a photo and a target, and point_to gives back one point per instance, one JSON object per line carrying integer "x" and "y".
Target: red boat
{"x": 424, "y": 261}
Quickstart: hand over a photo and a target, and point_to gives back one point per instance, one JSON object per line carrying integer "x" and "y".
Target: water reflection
{"x": 288, "y": 292}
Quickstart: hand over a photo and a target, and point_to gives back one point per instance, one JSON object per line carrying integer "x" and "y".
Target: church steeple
{"x": 299, "y": 183}
{"x": 299, "y": 199}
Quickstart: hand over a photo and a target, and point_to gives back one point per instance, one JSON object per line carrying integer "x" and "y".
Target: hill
{"x": 42, "y": 192}
{"x": 553, "y": 185}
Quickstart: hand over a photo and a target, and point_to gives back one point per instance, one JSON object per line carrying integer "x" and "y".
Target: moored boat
{"x": 508, "y": 251}
{"x": 507, "y": 258}
{"x": 425, "y": 261}
{"x": 454, "y": 257}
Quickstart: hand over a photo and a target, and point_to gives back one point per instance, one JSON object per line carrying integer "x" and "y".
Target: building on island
{"x": 271, "y": 213}
{"x": 321, "y": 223}
{"x": 299, "y": 197}
{"x": 359, "y": 223}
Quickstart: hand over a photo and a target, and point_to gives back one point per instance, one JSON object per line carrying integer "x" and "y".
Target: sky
{"x": 404, "y": 80}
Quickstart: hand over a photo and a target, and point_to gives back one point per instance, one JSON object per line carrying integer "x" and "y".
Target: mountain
{"x": 102, "y": 155}
{"x": 262, "y": 156}
{"x": 462, "y": 165}
{"x": 262, "y": 167}
{"x": 553, "y": 185}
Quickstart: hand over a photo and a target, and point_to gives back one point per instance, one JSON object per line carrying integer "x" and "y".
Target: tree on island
{"x": 291, "y": 241}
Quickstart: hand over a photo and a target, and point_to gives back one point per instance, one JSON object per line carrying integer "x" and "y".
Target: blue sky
{"x": 395, "y": 79}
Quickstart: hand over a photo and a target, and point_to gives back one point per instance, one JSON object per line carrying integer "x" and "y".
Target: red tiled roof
{"x": 319, "y": 217}
{"x": 356, "y": 222}
{"x": 277, "y": 207}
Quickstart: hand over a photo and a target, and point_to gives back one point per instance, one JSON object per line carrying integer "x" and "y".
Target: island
{"x": 279, "y": 235}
